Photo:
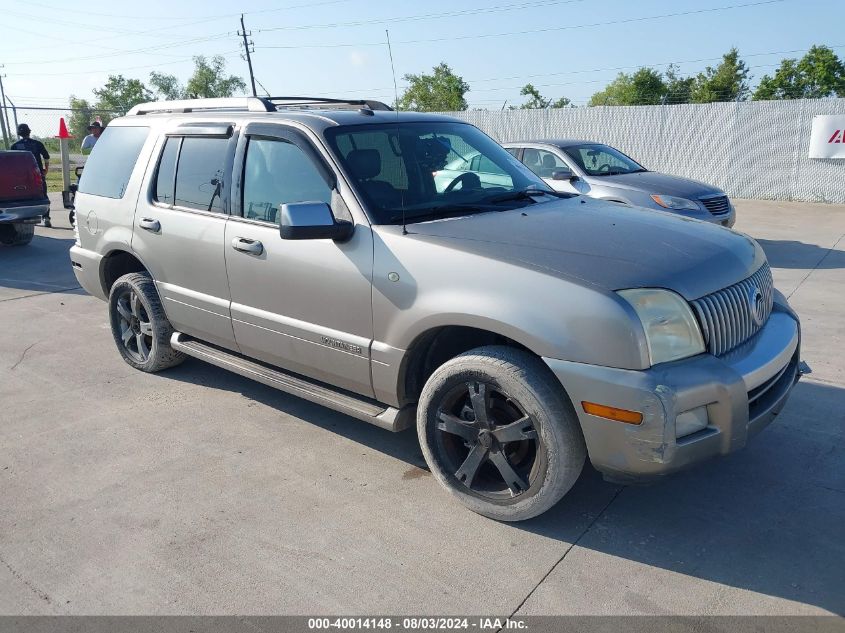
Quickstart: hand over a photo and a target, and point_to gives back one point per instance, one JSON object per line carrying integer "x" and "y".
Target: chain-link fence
{"x": 44, "y": 126}
{"x": 751, "y": 149}
{"x": 44, "y": 123}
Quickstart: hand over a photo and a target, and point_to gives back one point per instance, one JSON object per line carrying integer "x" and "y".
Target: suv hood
{"x": 605, "y": 245}
{"x": 657, "y": 183}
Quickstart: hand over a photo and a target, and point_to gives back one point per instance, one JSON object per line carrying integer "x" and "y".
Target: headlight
{"x": 670, "y": 326}
{"x": 676, "y": 204}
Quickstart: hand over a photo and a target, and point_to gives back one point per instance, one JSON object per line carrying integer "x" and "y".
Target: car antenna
{"x": 396, "y": 105}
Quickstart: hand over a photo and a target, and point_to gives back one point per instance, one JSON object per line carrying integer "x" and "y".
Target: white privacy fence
{"x": 753, "y": 149}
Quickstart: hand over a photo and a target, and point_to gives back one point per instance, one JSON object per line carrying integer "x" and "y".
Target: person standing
{"x": 38, "y": 150}
{"x": 95, "y": 129}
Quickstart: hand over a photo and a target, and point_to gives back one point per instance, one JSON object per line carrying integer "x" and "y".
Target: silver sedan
{"x": 601, "y": 171}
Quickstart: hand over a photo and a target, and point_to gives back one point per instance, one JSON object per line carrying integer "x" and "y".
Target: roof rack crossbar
{"x": 364, "y": 103}
{"x": 250, "y": 104}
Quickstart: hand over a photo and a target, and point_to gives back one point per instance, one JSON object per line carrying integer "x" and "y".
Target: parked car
{"x": 601, "y": 171}
{"x": 306, "y": 245}
{"x": 22, "y": 199}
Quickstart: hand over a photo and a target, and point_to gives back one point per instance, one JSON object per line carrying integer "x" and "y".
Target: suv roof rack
{"x": 250, "y": 104}
{"x": 325, "y": 102}
{"x": 254, "y": 104}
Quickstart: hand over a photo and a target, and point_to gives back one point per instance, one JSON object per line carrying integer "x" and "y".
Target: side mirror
{"x": 563, "y": 174}
{"x": 312, "y": 221}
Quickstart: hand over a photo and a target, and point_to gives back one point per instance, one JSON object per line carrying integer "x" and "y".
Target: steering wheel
{"x": 468, "y": 180}
{"x": 605, "y": 167}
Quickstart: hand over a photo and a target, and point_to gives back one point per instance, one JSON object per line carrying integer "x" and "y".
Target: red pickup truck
{"x": 22, "y": 198}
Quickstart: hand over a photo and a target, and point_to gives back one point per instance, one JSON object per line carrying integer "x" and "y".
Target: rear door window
{"x": 109, "y": 167}
{"x": 200, "y": 174}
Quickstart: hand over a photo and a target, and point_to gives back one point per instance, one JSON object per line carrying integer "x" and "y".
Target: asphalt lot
{"x": 197, "y": 491}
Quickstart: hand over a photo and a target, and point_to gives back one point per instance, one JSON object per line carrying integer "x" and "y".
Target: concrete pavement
{"x": 197, "y": 491}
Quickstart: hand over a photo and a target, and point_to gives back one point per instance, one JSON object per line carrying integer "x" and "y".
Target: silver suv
{"x": 315, "y": 246}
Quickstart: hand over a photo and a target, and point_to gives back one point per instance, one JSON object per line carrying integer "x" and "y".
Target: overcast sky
{"x": 336, "y": 47}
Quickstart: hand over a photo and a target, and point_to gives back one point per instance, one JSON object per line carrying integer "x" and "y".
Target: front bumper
{"x": 742, "y": 391}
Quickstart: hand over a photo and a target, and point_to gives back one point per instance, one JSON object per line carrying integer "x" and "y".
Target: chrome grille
{"x": 717, "y": 205}
{"x": 726, "y": 315}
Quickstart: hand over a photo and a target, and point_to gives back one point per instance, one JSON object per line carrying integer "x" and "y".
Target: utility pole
{"x": 4, "y": 121}
{"x": 247, "y": 44}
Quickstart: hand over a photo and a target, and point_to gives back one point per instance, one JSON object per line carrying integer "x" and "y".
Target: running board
{"x": 388, "y": 418}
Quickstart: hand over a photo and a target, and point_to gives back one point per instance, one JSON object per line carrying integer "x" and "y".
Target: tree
{"x": 678, "y": 89}
{"x": 819, "y": 74}
{"x": 441, "y": 91}
{"x": 120, "y": 94}
{"x": 167, "y": 87}
{"x": 209, "y": 80}
{"x": 80, "y": 117}
{"x": 537, "y": 101}
{"x": 644, "y": 87}
{"x": 729, "y": 81}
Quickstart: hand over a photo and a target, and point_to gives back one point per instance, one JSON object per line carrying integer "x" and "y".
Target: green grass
{"x": 54, "y": 177}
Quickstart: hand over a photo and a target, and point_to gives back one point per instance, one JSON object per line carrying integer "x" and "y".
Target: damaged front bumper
{"x": 735, "y": 395}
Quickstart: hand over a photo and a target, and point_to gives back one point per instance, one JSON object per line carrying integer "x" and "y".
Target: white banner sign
{"x": 828, "y": 137}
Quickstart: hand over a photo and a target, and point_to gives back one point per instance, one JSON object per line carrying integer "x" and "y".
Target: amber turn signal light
{"x": 612, "y": 413}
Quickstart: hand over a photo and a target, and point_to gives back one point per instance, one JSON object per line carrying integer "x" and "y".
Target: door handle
{"x": 148, "y": 224}
{"x": 244, "y": 245}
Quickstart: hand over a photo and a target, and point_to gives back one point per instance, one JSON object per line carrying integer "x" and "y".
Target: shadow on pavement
{"x": 767, "y": 519}
{"x": 41, "y": 266}
{"x": 795, "y": 254}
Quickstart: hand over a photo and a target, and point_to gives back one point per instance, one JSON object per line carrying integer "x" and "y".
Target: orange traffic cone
{"x": 63, "y": 133}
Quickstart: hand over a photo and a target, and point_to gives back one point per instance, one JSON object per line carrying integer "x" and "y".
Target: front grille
{"x": 717, "y": 205}
{"x": 726, "y": 315}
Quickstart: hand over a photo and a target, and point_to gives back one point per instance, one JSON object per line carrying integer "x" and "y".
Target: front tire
{"x": 140, "y": 328}
{"x": 499, "y": 433}
{"x": 16, "y": 234}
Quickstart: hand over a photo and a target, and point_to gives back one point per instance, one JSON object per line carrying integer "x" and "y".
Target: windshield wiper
{"x": 526, "y": 194}
{"x": 621, "y": 173}
{"x": 436, "y": 213}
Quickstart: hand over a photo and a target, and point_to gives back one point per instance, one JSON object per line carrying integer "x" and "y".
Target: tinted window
{"x": 277, "y": 172}
{"x": 602, "y": 160}
{"x": 543, "y": 163}
{"x": 110, "y": 165}
{"x": 408, "y": 171}
{"x": 199, "y": 176}
{"x": 167, "y": 171}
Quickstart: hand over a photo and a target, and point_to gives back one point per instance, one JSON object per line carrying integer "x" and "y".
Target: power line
{"x": 226, "y": 54}
{"x": 554, "y": 29}
{"x": 425, "y": 16}
{"x": 595, "y": 70}
{"x": 169, "y": 17}
{"x": 130, "y": 51}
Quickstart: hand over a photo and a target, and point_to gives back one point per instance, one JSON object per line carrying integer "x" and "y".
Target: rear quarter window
{"x": 112, "y": 160}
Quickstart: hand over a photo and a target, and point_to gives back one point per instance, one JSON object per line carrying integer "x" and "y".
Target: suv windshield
{"x": 602, "y": 160}
{"x": 426, "y": 170}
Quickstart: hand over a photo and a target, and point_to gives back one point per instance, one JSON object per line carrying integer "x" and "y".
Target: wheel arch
{"x": 439, "y": 344}
{"x": 115, "y": 264}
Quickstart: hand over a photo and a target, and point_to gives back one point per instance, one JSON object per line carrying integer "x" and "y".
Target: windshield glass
{"x": 601, "y": 160}
{"x": 430, "y": 169}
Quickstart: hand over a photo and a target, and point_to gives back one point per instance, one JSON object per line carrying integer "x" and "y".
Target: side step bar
{"x": 364, "y": 409}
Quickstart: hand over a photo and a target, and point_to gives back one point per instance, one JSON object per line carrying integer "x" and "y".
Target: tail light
{"x": 37, "y": 178}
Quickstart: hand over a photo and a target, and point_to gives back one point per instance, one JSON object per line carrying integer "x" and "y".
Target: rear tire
{"x": 140, "y": 328}
{"x": 16, "y": 234}
{"x": 499, "y": 433}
